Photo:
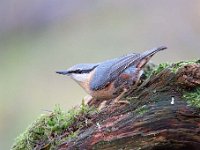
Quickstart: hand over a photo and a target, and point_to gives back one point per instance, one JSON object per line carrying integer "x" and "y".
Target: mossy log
{"x": 160, "y": 115}
{"x": 164, "y": 113}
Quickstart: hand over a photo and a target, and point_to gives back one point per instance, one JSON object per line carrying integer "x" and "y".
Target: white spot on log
{"x": 172, "y": 100}
{"x": 98, "y": 126}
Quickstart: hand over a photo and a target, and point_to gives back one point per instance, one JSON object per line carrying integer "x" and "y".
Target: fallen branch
{"x": 164, "y": 113}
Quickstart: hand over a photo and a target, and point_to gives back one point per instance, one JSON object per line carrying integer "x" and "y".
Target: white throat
{"x": 79, "y": 77}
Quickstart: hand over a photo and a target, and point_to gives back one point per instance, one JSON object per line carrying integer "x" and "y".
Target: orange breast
{"x": 103, "y": 94}
{"x": 106, "y": 93}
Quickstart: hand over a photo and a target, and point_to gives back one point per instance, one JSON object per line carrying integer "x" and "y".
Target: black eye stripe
{"x": 75, "y": 71}
{"x": 79, "y": 71}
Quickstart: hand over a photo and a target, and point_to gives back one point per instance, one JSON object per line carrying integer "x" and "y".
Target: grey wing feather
{"x": 107, "y": 71}
{"x": 135, "y": 59}
{"x": 104, "y": 72}
{"x": 122, "y": 65}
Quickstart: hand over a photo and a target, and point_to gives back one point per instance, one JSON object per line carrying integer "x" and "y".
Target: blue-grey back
{"x": 106, "y": 71}
{"x": 85, "y": 66}
{"x": 109, "y": 70}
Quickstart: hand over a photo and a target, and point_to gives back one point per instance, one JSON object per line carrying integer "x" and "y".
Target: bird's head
{"x": 80, "y": 72}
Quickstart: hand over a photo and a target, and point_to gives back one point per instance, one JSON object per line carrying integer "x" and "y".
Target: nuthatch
{"x": 110, "y": 78}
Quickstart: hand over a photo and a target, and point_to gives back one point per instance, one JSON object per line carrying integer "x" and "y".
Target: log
{"x": 163, "y": 113}
{"x": 158, "y": 117}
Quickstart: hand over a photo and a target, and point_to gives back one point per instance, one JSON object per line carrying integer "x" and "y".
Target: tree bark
{"x": 158, "y": 116}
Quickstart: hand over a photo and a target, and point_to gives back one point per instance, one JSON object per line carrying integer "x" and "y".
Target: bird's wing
{"x": 136, "y": 60}
{"x": 109, "y": 70}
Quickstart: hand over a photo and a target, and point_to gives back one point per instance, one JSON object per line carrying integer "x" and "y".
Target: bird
{"x": 112, "y": 78}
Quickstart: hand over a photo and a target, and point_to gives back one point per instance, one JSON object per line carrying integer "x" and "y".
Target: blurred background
{"x": 41, "y": 36}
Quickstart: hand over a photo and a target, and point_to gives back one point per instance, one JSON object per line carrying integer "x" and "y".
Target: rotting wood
{"x": 157, "y": 117}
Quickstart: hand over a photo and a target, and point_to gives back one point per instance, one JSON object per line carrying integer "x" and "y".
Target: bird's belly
{"x": 107, "y": 93}
{"x": 114, "y": 89}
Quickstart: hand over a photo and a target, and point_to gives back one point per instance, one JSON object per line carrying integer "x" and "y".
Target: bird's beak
{"x": 62, "y": 72}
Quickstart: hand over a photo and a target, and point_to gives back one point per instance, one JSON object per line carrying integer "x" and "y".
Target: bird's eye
{"x": 78, "y": 71}
{"x": 81, "y": 71}
{"x": 75, "y": 71}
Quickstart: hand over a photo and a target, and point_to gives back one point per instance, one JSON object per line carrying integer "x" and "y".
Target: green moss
{"x": 193, "y": 97}
{"x": 180, "y": 64}
{"x": 173, "y": 67}
{"x": 141, "y": 110}
{"x": 48, "y": 130}
{"x": 160, "y": 68}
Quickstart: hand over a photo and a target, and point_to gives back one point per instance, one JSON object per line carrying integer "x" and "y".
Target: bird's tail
{"x": 146, "y": 56}
{"x": 151, "y": 52}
